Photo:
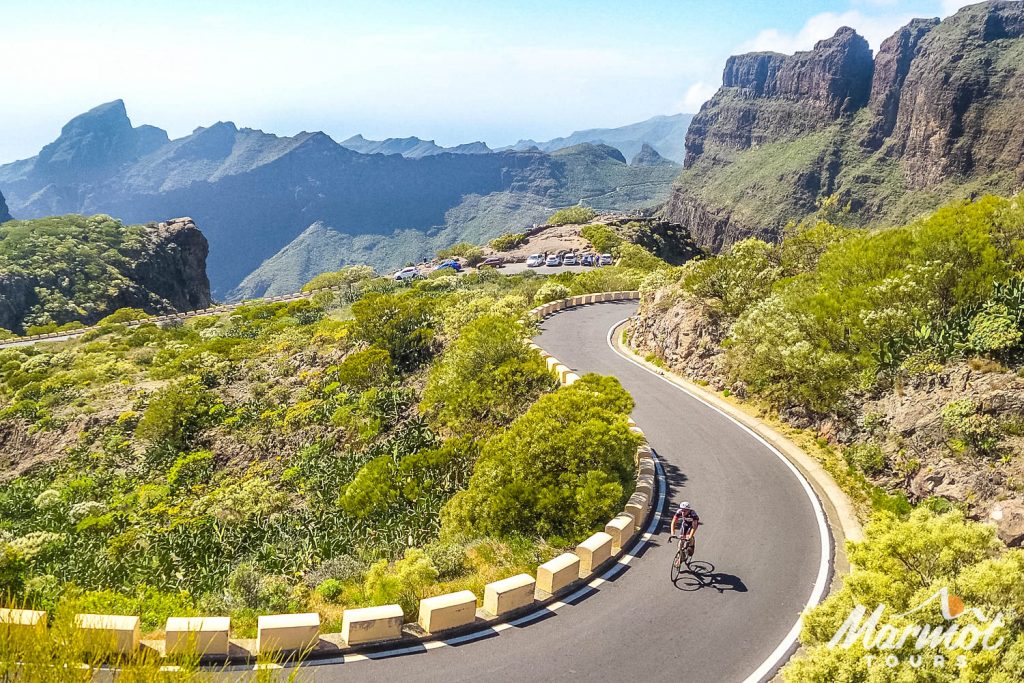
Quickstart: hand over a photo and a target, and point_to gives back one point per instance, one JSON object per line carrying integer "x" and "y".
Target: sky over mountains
{"x": 450, "y": 71}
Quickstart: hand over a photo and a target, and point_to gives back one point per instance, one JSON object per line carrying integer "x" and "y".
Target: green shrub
{"x": 867, "y": 457}
{"x": 190, "y": 469}
{"x": 124, "y": 315}
{"x": 602, "y": 238}
{"x": 364, "y": 369}
{"x": 405, "y": 582}
{"x": 403, "y": 324}
{"x": 572, "y": 214}
{"x": 346, "y": 278}
{"x": 507, "y": 241}
{"x": 970, "y": 428}
{"x": 550, "y": 291}
{"x": 175, "y": 415}
{"x": 331, "y": 589}
{"x": 470, "y": 253}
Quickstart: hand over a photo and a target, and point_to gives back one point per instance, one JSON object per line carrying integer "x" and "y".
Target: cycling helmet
{"x": 684, "y": 506}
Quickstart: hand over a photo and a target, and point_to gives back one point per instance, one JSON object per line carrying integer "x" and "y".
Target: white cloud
{"x": 875, "y": 28}
{"x": 696, "y": 95}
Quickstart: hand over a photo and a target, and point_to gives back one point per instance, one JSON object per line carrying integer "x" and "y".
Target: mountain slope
{"x": 596, "y": 174}
{"x": 247, "y": 187}
{"x": 933, "y": 117}
{"x": 5, "y": 214}
{"x": 663, "y": 133}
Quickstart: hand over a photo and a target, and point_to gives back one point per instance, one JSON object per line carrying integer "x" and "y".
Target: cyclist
{"x": 688, "y": 521}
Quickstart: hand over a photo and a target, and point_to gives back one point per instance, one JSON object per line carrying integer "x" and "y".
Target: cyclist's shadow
{"x": 702, "y": 574}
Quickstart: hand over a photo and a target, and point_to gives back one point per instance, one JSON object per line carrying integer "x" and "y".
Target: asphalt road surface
{"x": 761, "y": 557}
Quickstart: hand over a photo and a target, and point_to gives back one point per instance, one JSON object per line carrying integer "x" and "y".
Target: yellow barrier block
{"x": 20, "y": 627}
{"x": 104, "y": 633}
{"x": 370, "y": 624}
{"x": 444, "y": 612}
{"x": 200, "y": 635}
{"x": 570, "y": 379}
{"x": 501, "y": 597}
{"x": 637, "y": 506}
{"x": 593, "y": 551}
{"x": 621, "y": 530}
{"x": 556, "y": 574}
{"x": 645, "y": 485}
{"x": 276, "y": 632}
{"x": 552, "y": 363}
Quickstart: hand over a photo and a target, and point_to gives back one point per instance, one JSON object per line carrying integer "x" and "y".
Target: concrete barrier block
{"x": 21, "y": 626}
{"x": 501, "y": 597}
{"x": 562, "y": 372}
{"x": 554, "y": 575}
{"x": 639, "y": 432}
{"x": 552, "y": 363}
{"x": 107, "y": 633}
{"x": 276, "y": 632}
{"x": 638, "y": 505}
{"x": 198, "y": 635}
{"x": 444, "y": 612}
{"x": 370, "y": 624}
{"x": 631, "y": 422}
{"x": 593, "y": 551}
{"x": 621, "y": 530}
{"x": 645, "y": 465}
{"x": 571, "y": 379}
{"x": 645, "y": 485}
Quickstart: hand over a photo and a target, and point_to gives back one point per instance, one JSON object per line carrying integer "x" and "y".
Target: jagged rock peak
{"x": 5, "y": 215}
{"x": 648, "y": 156}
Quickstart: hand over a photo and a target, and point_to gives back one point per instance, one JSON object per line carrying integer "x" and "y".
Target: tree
{"x": 572, "y": 214}
{"x": 561, "y": 470}
{"x": 486, "y": 378}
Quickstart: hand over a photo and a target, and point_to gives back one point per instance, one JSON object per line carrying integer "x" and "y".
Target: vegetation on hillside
{"x": 831, "y": 311}
{"x": 298, "y": 456}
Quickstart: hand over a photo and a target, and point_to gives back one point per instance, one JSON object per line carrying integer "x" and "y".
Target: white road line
{"x": 780, "y": 654}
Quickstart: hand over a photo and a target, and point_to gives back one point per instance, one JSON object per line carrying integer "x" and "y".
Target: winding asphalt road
{"x": 761, "y": 551}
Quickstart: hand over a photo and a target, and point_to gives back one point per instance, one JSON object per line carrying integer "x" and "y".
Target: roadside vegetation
{"x": 572, "y": 215}
{"x": 381, "y": 444}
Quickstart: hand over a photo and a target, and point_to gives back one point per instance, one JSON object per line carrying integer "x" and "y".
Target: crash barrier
{"x": 210, "y": 637}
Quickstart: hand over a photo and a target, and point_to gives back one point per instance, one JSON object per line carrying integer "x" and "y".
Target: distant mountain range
{"x": 664, "y": 134}
{"x": 411, "y": 148}
{"x": 253, "y": 194}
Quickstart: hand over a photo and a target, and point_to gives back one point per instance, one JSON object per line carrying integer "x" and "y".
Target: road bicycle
{"x": 683, "y": 556}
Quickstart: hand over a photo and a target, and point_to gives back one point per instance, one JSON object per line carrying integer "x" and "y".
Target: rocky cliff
{"x": 933, "y": 117}
{"x": 5, "y": 215}
{"x": 76, "y": 268}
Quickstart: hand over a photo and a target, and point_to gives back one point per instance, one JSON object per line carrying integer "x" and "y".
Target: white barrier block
{"x": 444, "y": 612}
{"x": 275, "y": 632}
{"x": 103, "y": 633}
{"x": 554, "y": 575}
{"x": 637, "y": 506}
{"x": 501, "y": 597}
{"x": 370, "y": 624}
{"x": 199, "y": 635}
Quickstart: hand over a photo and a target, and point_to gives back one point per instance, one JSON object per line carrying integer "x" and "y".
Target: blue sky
{"x": 449, "y": 70}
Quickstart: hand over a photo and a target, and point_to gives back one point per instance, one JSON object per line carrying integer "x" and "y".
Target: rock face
{"x": 160, "y": 268}
{"x": 933, "y": 117}
{"x": 5, "y": 215}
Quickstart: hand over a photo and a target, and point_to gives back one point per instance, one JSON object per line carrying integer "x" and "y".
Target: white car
{"x": 408, "y": 273}
{"x": 535, "y": 260}
{"x": 553, "y": 260}
{"x": 569, "y": 259}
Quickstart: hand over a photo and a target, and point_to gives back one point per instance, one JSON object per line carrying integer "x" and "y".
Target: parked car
{"x": 606, "y": 260}
{"x": 553, "y": 260}
{"x": 587, "y": 260}
{"x": 534, "y": 260}
{"x": 450, "y": 263}
{"x": 408, "y": 273}
{"x": 569, "y": 259}
{"x": 493, "y": 262}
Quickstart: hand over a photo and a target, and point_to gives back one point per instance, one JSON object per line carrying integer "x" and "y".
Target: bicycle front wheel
{"x": 677, "y": 565}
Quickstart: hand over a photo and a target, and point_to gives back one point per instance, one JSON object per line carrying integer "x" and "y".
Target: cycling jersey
{"x": 688, "y": 520}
